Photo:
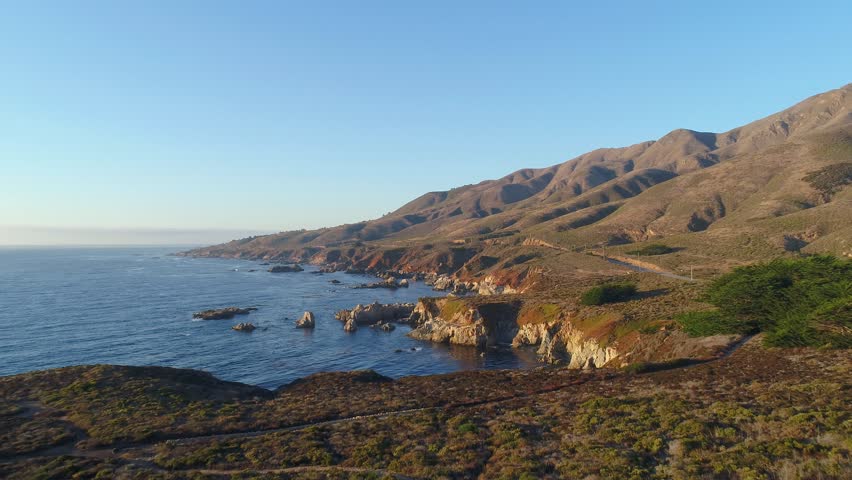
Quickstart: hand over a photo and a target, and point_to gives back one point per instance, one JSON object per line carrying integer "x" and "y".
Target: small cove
{"x": 134, "y": 305}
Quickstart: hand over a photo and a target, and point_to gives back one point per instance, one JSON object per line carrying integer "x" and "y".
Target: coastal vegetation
{"x": 796, "y": 301}
{"x": 760, "y": 413}
{"x": 608, "y": 293}
{"x": 652, "y": 249}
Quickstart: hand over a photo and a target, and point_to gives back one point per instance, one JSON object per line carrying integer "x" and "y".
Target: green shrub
{"x": 653, "y": 249}
{"x": 608, "y": 293}
{"x": 703, "y": 324}
{"x": 467, "y": 427}
{"x": 797, "y": 302}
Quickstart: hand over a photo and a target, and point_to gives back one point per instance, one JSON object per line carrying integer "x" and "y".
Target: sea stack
{"x": 307, "y": 321}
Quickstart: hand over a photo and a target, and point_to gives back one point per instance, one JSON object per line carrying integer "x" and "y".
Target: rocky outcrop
{"x": 448, "y": 283}
{"x": 286, "y": 268}
{"x": 222, "y": 313}
{"x": 561, "y": 342}
{"x": 244, "y": 327}
{"x": 571, "y": 346}
{"x": 375, "y": 313}
{"x": 390, "y": 283}
{"x": 490, "y": 286}
{"x": 307, "y": 321}
{"x": 384, "y": 326}
{"x": 466, "y": 328}
{"x": 350, "y": 326}
{"x": 451, "y": 320}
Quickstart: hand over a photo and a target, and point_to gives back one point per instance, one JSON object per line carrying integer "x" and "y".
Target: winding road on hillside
{"x": 627, "y": 262}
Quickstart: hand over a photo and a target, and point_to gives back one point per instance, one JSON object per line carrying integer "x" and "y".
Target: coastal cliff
{"x": 567, "y": 334}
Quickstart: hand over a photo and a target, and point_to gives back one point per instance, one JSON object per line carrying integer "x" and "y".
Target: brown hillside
{"x": 751, "y": 184}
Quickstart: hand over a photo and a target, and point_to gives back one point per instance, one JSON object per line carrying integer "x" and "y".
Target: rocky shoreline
{"x": 396, "y": 274}
{"x": 485, "y": 313}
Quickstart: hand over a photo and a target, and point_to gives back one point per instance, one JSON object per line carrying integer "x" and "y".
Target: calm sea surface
{"x": 134, "y": 305}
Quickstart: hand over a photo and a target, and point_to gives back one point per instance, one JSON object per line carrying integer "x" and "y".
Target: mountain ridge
{"x": 682, "y": 183}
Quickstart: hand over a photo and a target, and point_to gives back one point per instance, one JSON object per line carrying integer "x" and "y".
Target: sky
{"x": 175, "y": 118}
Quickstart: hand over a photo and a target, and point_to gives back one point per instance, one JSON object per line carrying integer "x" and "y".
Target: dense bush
{"x": 608, "y": 293}
{"x": 797, "y": 302}
{"x": 702, "y": 324}
{"x": 653, "y": 249}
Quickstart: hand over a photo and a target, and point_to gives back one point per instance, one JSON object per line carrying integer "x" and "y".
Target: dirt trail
{"x": 304, "y": 469}
{"x": 632, "y": 264}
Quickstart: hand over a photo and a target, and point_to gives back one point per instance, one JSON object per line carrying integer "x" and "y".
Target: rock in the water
{"x": 222, "y": 313}
{"x": 375, "y": 313}
{"x": 286, "y": 268}
{"x": 334, "y": 281}
{"x": 244, "y": 327}
{"x": 388, "y": 327}
{"x": 307, "y": 321}
{"x": 403, "y": 283}
{"x": 386, "y": 284}
{"x": 465, "y": 327}
{"x": 350, "y": 326}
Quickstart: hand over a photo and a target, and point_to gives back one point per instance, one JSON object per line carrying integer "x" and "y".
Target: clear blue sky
{"x": 274, "y": 115}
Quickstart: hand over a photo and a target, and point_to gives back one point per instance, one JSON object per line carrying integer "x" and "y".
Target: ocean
{"x": 134, "y": 305}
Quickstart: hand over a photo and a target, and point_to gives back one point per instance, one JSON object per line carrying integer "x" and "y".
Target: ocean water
{"x": 134, "y": 305}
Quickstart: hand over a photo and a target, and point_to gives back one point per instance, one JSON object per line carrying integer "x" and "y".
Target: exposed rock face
{"x": 533, "y": 334}
{"x": 222, "y": 313}
{"x": 307, "y": 321}
{"x": 560, "y": 342}
{"x": 403, "y": 283}
{"x": 578, "y": 350}
{"x": 447, "y": 283}
{"x": 375, "y": 313}
{"x": 453, "y": 321}
{"x": 286, "y": 268}
{"x": 489, "y": 286}
{"x": 464, "y": 328}
{"x": 244, "y": 327}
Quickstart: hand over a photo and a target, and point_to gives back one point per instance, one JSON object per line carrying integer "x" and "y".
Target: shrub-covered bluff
{"x": 762, "y": 412}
